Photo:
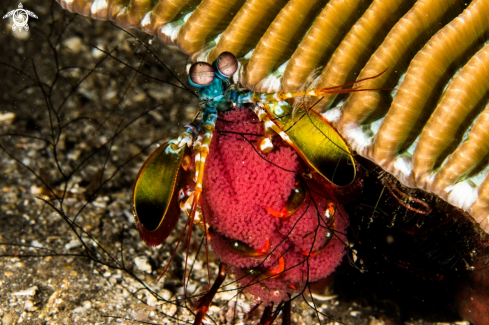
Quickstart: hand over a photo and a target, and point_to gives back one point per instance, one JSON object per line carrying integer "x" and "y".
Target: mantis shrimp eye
{"x": 244, "y": 249}
{"x": 201, "y": 74}
{"x": 296, "y": 198}
{"x": 294, "y": 202}
{"x": 226, "y": 65}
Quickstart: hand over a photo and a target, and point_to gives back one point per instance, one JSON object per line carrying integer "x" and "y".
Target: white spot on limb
{"x": 187, "y": 140}
{"x": 285, "y": 137}
{"x": 260, "y": 113}
{"x": 269, "y": 124}
{"x": 266, "y": 145}
{"x": 207, "y": 135}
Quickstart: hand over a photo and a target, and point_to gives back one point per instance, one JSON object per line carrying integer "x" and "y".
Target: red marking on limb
{"x": 311, "y": 253}
{"x": 331, "y": 206}
{"x": 279, "y": 269}
{"x": 277, "y": 214}
{"x": 265, "y": 248}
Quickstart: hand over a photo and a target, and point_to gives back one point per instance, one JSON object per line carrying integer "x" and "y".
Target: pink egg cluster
{"x": 241, "y": 186}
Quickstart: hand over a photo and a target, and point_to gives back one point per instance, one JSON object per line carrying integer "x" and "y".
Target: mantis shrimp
{"x": 268, "y": 204}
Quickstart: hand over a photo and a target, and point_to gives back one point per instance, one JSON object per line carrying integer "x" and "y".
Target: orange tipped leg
{"x": 204, "y": 302}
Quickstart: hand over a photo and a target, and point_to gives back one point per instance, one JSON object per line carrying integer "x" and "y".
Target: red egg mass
{"x": 276, "y": 229}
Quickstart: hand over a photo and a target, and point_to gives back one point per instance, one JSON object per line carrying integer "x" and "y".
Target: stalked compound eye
{"x": 294, "y": 202}
{"x": 226, "y": 65}
{"x": 296, "y": 198}
{"x": 201, "y": 74}
{"x": 261, "y": 274}
{"x": 244, "y": 249}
